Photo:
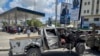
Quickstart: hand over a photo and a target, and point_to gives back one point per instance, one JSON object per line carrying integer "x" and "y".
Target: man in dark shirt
{"x": 65, "y": 12}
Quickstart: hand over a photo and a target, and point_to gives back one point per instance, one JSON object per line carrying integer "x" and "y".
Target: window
{"x": 85, "y": 3}
{"x": 88, "y": 3}
{"x": 97, "y": 1}
{"x": 96, "y": 32}
{"x": 96, "y": 19}
{"x": 87, "y": 11}
{"x": 86, "y": 19}
{"x": 90, "y": 24}
{"x": 97, "y": 10}
{"x": 85, "y": 27}
{"x": 51, "y": 32}
{"x": 84, "y": 11}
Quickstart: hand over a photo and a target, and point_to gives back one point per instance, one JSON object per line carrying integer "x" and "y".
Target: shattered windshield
{"x": 51, "y": 32}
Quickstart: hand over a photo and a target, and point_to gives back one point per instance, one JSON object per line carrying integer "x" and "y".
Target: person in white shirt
{"x": 28, "y": 32}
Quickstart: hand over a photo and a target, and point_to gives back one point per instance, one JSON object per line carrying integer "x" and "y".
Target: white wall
{"x": 95, "y": 7}
{"x": 89, "y": 15}
{"x": 86, "y": 7}
{"x": 91, "y": 20}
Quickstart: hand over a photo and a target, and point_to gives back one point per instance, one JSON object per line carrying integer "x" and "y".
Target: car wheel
{"x": 80, "y": 48}
{"x": 33, "y": 52}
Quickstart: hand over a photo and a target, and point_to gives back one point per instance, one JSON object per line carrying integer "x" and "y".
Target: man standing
{"x": 28, "y": 32}
{"x": 64, "y": 15}
{"x": 19, "y": 29}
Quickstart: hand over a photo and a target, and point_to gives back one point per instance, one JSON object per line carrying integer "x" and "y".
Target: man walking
{"x": 28, "y": 32}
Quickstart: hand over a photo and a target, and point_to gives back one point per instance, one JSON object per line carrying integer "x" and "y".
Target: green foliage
{"x": 53, "y": 22}
{"x": 58, "y": 24}
{"x": 34, "y": 22}
{"x": 38, "y": 23}
{"x": 29, "y": 22}
{"x": 4, "y": 23}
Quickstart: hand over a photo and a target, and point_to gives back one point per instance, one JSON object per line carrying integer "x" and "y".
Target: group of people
{"x": 19, "y": 29}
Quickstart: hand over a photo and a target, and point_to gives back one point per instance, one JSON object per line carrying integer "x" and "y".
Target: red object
{"x": 63, "y": 40}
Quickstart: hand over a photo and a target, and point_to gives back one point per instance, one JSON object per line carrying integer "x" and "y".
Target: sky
{"x": 44, "y": 6}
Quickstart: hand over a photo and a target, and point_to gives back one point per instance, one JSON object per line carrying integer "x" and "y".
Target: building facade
{"x": 18, "y": 16}
{"x": 90, "y": 13}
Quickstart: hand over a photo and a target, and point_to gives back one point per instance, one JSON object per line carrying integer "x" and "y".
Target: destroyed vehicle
{"x": 93, "y": 39}
{"x": 49, "y": 38}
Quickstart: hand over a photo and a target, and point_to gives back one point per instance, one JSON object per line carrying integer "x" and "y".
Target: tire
{"x": 10, "y": 53}
{"x": 80, "y": 48}
{"x": 33, "y": 52}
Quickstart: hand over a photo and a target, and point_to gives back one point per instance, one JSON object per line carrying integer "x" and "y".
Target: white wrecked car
{"x": 48, "y": 38}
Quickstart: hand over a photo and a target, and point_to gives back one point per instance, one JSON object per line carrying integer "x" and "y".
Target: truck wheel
{"x": 10, "y": 53}
{"x": 33, "y": 52}
{"x": 80, "y": 48}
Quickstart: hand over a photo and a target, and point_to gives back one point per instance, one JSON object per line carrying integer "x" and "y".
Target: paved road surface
{"x": 88, "y": 52}
{"x": 3, "y": 53}
{"x": 4, "y": 38}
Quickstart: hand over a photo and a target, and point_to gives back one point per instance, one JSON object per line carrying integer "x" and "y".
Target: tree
{"x": 4, "y": 23}
{"x": 53, "y": 22}
{"x": 34, "y": 22}
{"x": 28, "y": 22}
{"x": 38, "y": 23}
{"x": 57, "y": 24}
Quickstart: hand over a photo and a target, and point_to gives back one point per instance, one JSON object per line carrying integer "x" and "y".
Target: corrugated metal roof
{"x": 24, "y": 10}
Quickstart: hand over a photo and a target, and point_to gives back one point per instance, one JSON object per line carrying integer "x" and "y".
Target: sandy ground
{"x": 4, "y": 38}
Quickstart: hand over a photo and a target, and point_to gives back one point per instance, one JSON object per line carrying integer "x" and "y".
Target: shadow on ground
{"x": 58, "y": 53}
{"x": 66, "y": 53}
{"x": 94, "y": 52}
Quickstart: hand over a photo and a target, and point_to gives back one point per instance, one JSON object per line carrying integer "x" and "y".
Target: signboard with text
{"x": 69, "y": 11}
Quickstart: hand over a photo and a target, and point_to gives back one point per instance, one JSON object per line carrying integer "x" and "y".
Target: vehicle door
{"x": 51, "y": 38}
{"x": 44, "y": 45}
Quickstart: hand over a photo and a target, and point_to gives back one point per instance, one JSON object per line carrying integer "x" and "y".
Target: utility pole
{"x": 56, "y": 3}
{"x": 34, "y": 5}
